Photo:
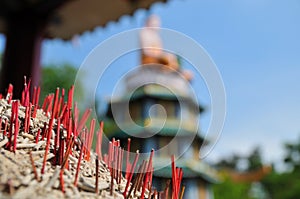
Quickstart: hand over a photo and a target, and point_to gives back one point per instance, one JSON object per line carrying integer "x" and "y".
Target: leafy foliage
{"x": 286, "y": 185}
{"x": 229, "y": 163}
{"x": 231, "y": 190}
{"x": 253, "y": 161}
{"x": 277, "y": 185}
{"x": 292, "y": 158}
{"x": 59, "y": 76}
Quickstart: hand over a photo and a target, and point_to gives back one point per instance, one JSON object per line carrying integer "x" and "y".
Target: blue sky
{"x": 256, "y": 46}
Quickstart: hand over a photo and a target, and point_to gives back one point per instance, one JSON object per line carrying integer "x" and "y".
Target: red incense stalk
{"x": 131, "y": 173}
{"x": 90, "y": 139}
{"x": 179, "y": 180}
{"x": 83, "y": 120}
{"x": 50, "y": 130}
{"x": 62, "y": 113}
{"x": 60, "y": 106}
{"x": 68, "y": 151}
{"x": 120, "y": 165}
{"x": 46, "y": 102}
{"x": 150, "y": 180}
{"x": 62, "y": 97}
{"x": 70, "y": 97}
{"x": 166, "y": 191}
{"x": 85, "y": 141}
{"x": 16, "y": 111}
{"x": 44, "y": 130}
{"x": 47, "y": 145}
{"x": 54, "y": 111}
{"x": 9, "y": 94}
{"x": 56, "y": 140}
{"x": 12, "y": 118}
{"x": 109, "y": 155}
{"x": 5, "y": 127}
{"x": 97, "y": 175}
{"x": 61, "y": 178}
{"x": 76, "y": 116}
{"x": 62, "y": 150}
{"x": 105, "y": 159}
{"x": 78, "y": 165}
{"x": 112, "y": 181}
{"x": 50, "y": 104}
{"x": 174, "y": 178}
{"x": 27, "y": 118}
{"x": 33, "y": 167}
{"x": 37, "y": 136}
{"x": 69, "y": 130}
{"x": 140, "y": 176}
{"x": 26, "y": 93}
{"x": 148, "y": 172}
{"x": 36, "y": 102}
{"x": 115, "y": 159}
{"x": 99, "y": 141}
{"x": 127, "y": 158}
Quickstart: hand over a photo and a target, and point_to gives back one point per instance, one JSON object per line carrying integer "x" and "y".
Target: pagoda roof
{"x": 156, "y": 92}
{"x": 167, "y": 131}
{"x": 191, "y": 169}
{"x": 171, "y": 80}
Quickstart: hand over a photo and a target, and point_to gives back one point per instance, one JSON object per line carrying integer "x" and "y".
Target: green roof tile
{"x": 191, "y": 169}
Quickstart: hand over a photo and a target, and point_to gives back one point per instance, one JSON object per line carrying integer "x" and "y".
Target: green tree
{"x": 229, "y": 162}
{"x": 287, "y": 184}
{"x": 282, "y": 185}
{"x": 292, "y": 158}
{"x": 254, "y": 159}
{"x": 228, "y": 189}
{"x": 62, "y": 77}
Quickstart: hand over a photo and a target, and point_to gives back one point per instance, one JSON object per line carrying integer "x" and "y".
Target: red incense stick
{"x": 148, "y": 172}
{"x": 33, "y": 167}
{"x": 83, "y": 120}
{"x": 127, "y": 158}
{"x": 50, "y": 130}
{"x": 9, "y": 94}
{"x": 97, "y": 175}
{"x": 61, "y": 179}
{"x": 174, "y": 178}
{"x": 131, "y": 173}
{"x": 16, "y": 131}
{"x": 99, "y": 141}
{"x": 78, "y": 165}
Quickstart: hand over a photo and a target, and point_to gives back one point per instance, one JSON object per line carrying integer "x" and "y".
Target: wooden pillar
{"x": 22, "y": 52}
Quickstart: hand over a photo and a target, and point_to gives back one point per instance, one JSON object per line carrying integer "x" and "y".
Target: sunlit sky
{"x": 256, "y": 47}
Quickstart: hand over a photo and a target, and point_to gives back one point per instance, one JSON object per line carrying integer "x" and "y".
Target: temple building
{"x": 158, "y": 111}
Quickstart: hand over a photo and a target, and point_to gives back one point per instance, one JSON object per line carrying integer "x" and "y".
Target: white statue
{"x": 151, "y": 44}
{"x": 152, "y": 48}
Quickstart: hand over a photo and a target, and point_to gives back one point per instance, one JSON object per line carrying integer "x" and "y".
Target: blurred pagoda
{"x": 158, "y": 111}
